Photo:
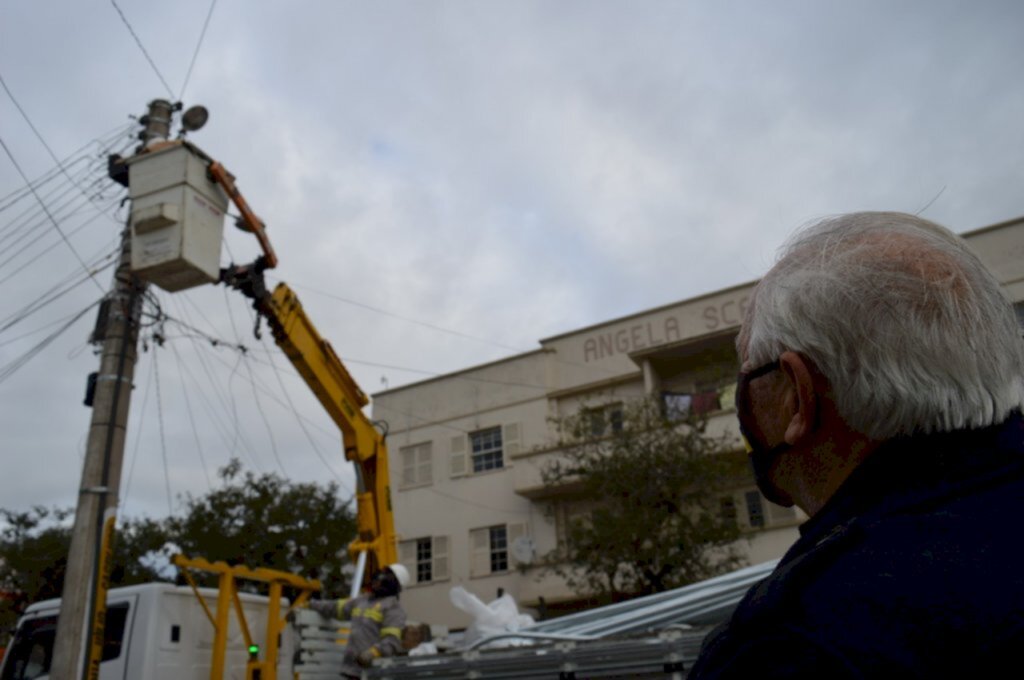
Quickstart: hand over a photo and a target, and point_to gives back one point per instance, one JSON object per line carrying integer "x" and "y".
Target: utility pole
{"x": 83, "y": 600}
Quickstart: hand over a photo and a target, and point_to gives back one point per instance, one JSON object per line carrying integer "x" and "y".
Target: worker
{"x": 881, "y": 387}
{"x": 376, "y": 618}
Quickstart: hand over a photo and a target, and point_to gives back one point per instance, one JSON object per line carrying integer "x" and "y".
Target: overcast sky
{"x": 503, "y": 170}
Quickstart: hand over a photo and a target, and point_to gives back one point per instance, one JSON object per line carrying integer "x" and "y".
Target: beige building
{"x": 467, "y": 448}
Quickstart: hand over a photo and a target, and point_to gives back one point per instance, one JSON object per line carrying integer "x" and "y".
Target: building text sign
{"x": 673, "y": 326}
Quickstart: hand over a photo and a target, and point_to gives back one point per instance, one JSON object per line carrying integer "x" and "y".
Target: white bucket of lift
{"x": 177, "y": 218}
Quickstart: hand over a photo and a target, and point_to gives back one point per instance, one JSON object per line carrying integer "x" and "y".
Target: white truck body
{"x": 155, "y": 631}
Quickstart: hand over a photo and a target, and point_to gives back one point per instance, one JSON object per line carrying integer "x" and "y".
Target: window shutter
{"x": 407, "y": 557}
{"x": 425, "y": 465}
{"x": 514, "y": 531}
{"x": 458, "y": 456}
{"x": 440, "y": 554}
{"x": 480, "y": 552}
{"x": 510, "y": 439}
{"x": 408, "y": 467}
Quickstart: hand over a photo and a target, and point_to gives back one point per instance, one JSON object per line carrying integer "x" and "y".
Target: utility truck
{"x": 156, "y": 631}
{"x": 159, "y": 631}
{"x": 179, "y": 200}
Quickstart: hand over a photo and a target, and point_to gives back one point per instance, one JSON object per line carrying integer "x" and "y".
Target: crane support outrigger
{"x": 339, "y": 394}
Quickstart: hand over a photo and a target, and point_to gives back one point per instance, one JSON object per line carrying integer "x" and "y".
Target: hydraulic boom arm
{"x": 326, "y": 375}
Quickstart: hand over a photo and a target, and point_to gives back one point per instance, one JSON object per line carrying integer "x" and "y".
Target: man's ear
{"x": 805, "y": 405}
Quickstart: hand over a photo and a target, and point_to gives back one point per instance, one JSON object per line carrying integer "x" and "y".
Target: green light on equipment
{"x": 254, "y": 650}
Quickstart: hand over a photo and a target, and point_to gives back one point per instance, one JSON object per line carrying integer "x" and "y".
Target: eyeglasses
{"x": 744, "y": 379}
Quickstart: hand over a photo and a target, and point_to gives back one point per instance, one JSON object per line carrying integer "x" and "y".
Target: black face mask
{"x": 385, "y": 583}
{"x": 760, "y": 454}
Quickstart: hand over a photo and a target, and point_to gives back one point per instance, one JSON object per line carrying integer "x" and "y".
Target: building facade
{"x": 467, "y": 448}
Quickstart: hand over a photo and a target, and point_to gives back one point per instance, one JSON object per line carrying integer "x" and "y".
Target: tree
{"x": 256, "y": 520}
{"x": 33, "y": 555}
{"x": 647, "y": 488}
{"x": 268, "y": 521}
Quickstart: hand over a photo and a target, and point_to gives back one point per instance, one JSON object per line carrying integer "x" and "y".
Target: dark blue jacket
{"x": 913, "y": 569}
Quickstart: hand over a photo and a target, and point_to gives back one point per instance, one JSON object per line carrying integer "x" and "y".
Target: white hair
{"x": 911, "y": 330}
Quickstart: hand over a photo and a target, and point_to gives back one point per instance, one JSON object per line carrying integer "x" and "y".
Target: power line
{"x": 61, "y": 289}
{"x": 227, "y": 403}
{"x": 202, "y": 34}
{"x": 163, "y": 437}
{"x": 56, "y": 226}
{"x": 309, "y": 437}
{"x": 138, "y": 439}
{"x": 103, "y": 140}
{"x": 38, "y": 135}
{"x": 192, "y": 420}
{"x": 50, "y": 248}
{"x": 408, "y": 319}
{"x": 142, "y": 47}
{"x": 11, "y": 367}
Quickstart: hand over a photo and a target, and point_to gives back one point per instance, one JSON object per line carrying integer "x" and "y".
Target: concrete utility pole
{"x": 83, "y": 601}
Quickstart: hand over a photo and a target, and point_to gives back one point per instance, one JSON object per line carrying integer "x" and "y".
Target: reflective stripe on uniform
{"x": 374, "y": 613}
{"x": 395, "y": 632}
{"x": 339, "y": 606}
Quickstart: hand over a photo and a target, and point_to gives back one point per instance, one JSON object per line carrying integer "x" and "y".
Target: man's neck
{"x": 831, "y": 463}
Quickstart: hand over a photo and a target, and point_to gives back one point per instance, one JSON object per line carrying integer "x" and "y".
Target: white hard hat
{"x": 401, "y": 573}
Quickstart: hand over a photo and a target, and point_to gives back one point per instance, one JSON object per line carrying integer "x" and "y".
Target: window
{"x": 492, "y": 548}
{"x": 604, "y": 420}
{"x": 417, "y": 465}
{"x": 760, "y": 513}
{"x": 499, "y": 548}
{"x": 728, "y": 508}
{"x": 32, "y": 648}
{"x": 676, "y": 405}
{"x": 755, "y": 509}
{"x": 572, "y": 517}
{"x": 425, "y": 558}
{"x": 486, "y": 449}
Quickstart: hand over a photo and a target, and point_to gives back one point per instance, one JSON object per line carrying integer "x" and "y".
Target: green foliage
{"x": 641, "y": 501}
{"x": 267, "y": 521}
{"x": 33, "y": 555}
{"x": 256, "y": 520}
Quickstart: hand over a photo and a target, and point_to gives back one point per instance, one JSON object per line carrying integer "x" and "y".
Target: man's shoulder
{"x": 887, "y": 589}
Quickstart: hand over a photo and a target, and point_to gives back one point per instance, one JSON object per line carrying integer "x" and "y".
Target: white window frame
{"x": 461, "y": 458}
{"x": 485, "y": 450}
{"x": 411, "y": 555}
{"x": 488, "y": 554}
{"x": 417, "y": 465}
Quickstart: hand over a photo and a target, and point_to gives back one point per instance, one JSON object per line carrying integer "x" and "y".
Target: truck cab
{"x": 156, "y": 631}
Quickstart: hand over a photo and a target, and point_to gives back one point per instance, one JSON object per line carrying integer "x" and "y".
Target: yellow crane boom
{"x": 322, "y": 369}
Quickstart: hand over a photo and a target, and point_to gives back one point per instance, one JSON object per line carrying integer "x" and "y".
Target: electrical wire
{"x": 138, "y": 439}
{"x": 55, "y": 224}
{"x": 441, "y": 329}
{"x": 263, "y": 415}
{"x": 255, "y": 394}
{"x": 202, "y": 34}
{"x": 104, "y": 140}
{"x": 142, "y": 47}
{"x": 163, "y": 436}
{"x": 226, "y": 401}
{"x": 405, "y": 318}
{"x": 38, "y": 135}
{"x": 58, "y": 291}
{"x": 49, "y": 249}
{"x": 192, "y": 419}
{"x": 11, "y": 367}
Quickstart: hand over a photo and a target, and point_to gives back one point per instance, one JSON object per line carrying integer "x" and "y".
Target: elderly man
{"x": 880, "y": 391}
